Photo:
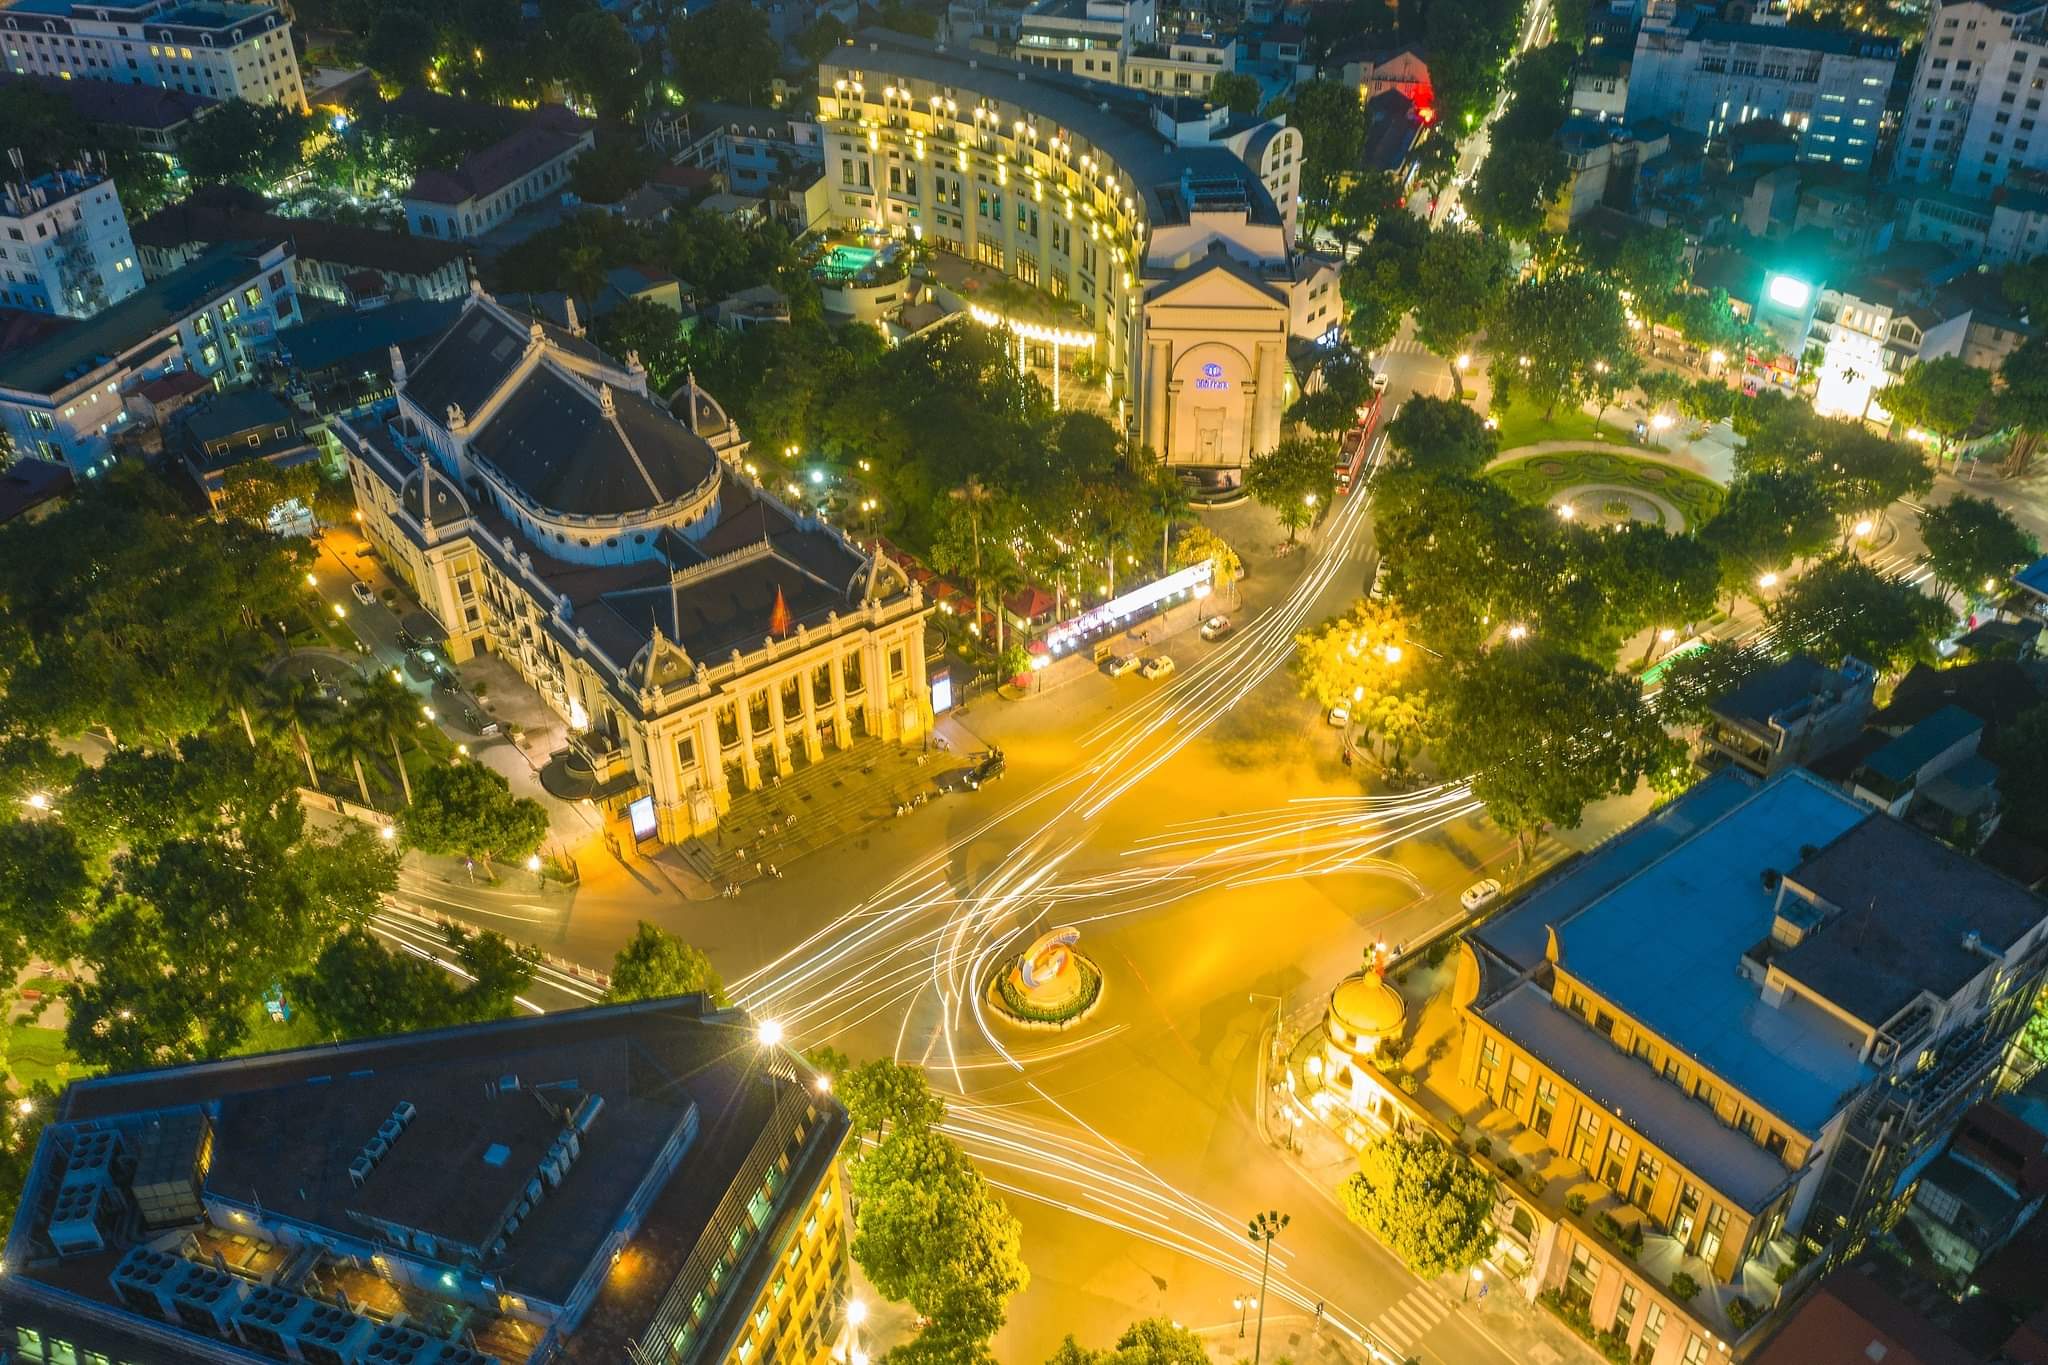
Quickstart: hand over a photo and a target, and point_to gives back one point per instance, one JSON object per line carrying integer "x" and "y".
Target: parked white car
{"x": 1158, "y": 666}
{"x": 1480, "y": 893}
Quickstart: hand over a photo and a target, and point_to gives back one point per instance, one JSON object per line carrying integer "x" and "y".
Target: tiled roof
{"x": 127, "y": 106}
{"x": 495, "y": 167}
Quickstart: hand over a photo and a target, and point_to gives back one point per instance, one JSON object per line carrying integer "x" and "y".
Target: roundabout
{"x": 1051, "y": 984}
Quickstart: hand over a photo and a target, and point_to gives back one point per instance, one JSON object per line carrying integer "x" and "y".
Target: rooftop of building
{"x": 480, "y": 1111}
{"x": 112, "y": 102}
{"x": 1117, "y": 121}
{"x": 235, "y": 412}
{"x": 543, "y": 135}
{"x": 1852, "y": 1319}
{"x": 1922, "y": 743}
{"x": 366, "y": 337}
{"x": 1704, "y": 896}
{"x": 1912, "y": 916}
{"x": 1772, "y": 695}
{"x": 207, "y": 219}
{"x": 60, "y": 360}
{"x": 28, "y": 484}
{"x": 1840, "y": 42}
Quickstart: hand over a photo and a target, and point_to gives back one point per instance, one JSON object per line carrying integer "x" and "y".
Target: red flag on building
{"x": 778, "y": 620}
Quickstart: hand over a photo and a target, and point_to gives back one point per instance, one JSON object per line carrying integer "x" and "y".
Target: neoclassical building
{"x": 1165, "y": 227}
{"x": 698, "y": 636}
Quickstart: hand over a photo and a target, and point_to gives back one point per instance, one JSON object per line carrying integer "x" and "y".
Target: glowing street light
{"x": 1464, "y": 361}
{"x": 387, "y": 834}
{"x": 1717, "y": 358}
{"x": 1864, "y": 527}
{"x": 340, "y": 610}
{"x": 1566, "y": 510}
{"x": 1767, "y": 580}
{"x": 38, "y": 800}
{"x": 311, "y": 581}
{"x": 1518, "y": 632}
{"x": 1393, "y": 654}
{"x": 1666, "y": 636}
{"x": 1308, "y": 499}
{"x": 1991, "y": 585}
{"x": 769, "y": 1033}
{"x": 1660, "y": 421}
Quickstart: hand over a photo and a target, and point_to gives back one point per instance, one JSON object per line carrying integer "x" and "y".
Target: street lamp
{"x": 533, "y": 866}
{"x": 1464, "y": 361}
{"x": 1241, "y": 1303}
{"x": 387, "y": 834}
{"x": 1864, "y": 527}
{"x": 1477, "y": 1276}
{"x": 1393, "y": 654}
{"x": 1767, "y": 580}
{"x": 311, "y": 581}
{"x": 1262, "y": 1230}
{"x": 38, "y": 800}
{"x": 1308, "y": 499}
{"x": 1518, "y": 632}
{"x": 769, "y": 1033}
{"x": 1566, "y": 510}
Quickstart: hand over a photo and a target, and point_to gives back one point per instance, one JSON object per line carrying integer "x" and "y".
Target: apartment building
{"x": 1185, "y": 64}
{"x": 1091, "y": 38}
{"x": 212, "y": 48}
{"x": 1747, "y": 1017}
{"x": 67, "y": 397}
{"x": 633, "y": 1182}
{"x": 1708, "y": 74}
{"x": 2009, "y": 227}
{"x": 65, "y": 242}
{"x": 1974, "y": 114}
{"x": 1165, "y": 227}
{"x": 698, "y": 637}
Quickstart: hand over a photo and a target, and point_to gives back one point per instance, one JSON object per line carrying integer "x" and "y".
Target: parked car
{"x": 1216, "y": 627}
{"x": 1340, "y": 715}
{"x": 362, "y": 593}
{"x": 987, "y": 768}
{"x": 1116, "y": 665}
{"x": 1379, "y": 582}
{"x": 1158, "y": 666}
{"x": 1480, "y": 893}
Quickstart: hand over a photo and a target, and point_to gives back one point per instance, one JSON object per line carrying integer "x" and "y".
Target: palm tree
{"x": 350, "y": 737}
{"x": 1166, "y": 500}
{"x": 388, "y": 704}
{"x": 1004, "y": 578}
{"x": 977, "y": 498}
{"x": 246, "y": 660}
{"x": 301, "y": 704}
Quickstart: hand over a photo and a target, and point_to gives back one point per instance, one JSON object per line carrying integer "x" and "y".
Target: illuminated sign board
{"x": 641, "y": 813}
{"x": 1790, "y": 293}
{"x": 942, "y": 692}
{"x": 1212, "y": 377}
{"x": 1193, "y": 580}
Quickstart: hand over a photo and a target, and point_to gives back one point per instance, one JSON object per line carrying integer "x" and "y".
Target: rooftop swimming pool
{"x": 844, "y": 262}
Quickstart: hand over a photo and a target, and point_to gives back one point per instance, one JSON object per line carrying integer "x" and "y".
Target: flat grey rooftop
{"x": 1665, "y": 946}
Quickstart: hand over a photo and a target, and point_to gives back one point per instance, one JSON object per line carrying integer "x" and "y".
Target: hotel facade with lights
{"x": 1161, "y": 231}
{"x": 698, "y": 636}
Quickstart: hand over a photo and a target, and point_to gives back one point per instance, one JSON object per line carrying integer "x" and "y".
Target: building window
{"x": 1695, "y": 1351}
{"x": 1653, "y": 1329}
{"x": 1585, "y": 1133}
{"x": 1517, "y": 1088}
{"x": 686, "y": 753}
{"x": 1583, "y": 1276}
{"x": 895, "y": 663}
{"x": 1625, "y": 1311}
{"x": 1614, "y": 1163}
{"x": 1489, "y": 1063}
{"x": 1642, "y": 1189}
{"x": 1546, "y": 1107}
{"x": 1717, "y": 1228}
{"x": 1686, "y": 1215}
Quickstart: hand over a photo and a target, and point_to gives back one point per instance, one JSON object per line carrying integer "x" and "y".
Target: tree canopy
{"x": 1437, "y": 436}
{"x": 1945, "y": 396}
{"x": 1552, "y": 332}
{"x": 1295, "y": 479}
{"x": 1973, "y": 545}
{"x": 655, "y": 963}
{"x": 468, "y": 811}
{"x": 725, "y": 52}
{"x": 1431, "y": 1206}
{"x": 1844, "y": 606}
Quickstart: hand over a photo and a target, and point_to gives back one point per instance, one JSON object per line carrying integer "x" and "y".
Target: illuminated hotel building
{"x": 643, "y": 1183}
{"x": 698, "y": 636}
{"x": 1164, "y": 228}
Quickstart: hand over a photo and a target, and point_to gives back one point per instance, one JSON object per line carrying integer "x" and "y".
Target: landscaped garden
{"x": 1522, "y": 423}
{"x": 1612, "y": 485}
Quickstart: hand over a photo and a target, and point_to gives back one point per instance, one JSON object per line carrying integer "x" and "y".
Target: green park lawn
{"x": 35, "y": 1053}
{"x": 1540, "y": 478}
{"x": 1522, "y": 423}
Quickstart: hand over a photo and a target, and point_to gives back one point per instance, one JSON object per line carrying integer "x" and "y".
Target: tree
{"x": 1516, "y": 186}
{"x": 498, "y": 970}
{"x": 350, "y": 738}
{"x": 1149, "y": 1341}
{"x": 1651, "y": 578}
{"x": 1197, "y": 543}
{"x": 1436, "y": 436}
{"x": 1294, "y": 479}
{"x": 932, "y": 1234}
{"x": 655, "y": 963}
{"x": 603, "y": 62}
{"x": 1236, "y": 90}
{"x": 121, "y": 611}
{"x": 1431, "y": 1206}
{"x": 1462, "y": 276}
{"x": 1331, "y": 118}
{"x": 1860, "y": 471}
{"x": 1767, "y": 521}
{"x": 254, "y": 489}
{"x": 2022, "y": 754}
{"x": 1542, "y": 734}
{"x": 251, "y": 145}
{"x": 1944, "y": 396}
{"x": 815, "y": 43}
{"x": 357, "y": 988}
{"x": 650, "y": 330}
{"x": 1360, "y": 659}
{"x": 885, "y": 1095}
{"x": 1691, "y": 684}
{"x": 300, "y": 704}
{"x": 401, "y": 45}
{"x": 44, "y": 889}
{"x": 1651, "y": 265}
{"x": 725, "y": 52}
{"x": 2021, "y": 401}
{"x": 468, "y": 811}
{"x": 1844, "y": 606}
{"x": 1972, "y": 545}
{"x": 1562, "y": 324}
{"x": 1381, "y": 284}
{"x": 608, "y": 173}
{"x": 387, "y": 704}
{"x": 2026, "y": 288}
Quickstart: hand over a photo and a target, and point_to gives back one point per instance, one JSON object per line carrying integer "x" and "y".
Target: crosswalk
{"x": 1411, "y": 1318}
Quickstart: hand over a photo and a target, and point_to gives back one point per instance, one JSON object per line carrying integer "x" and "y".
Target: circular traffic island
{"x": 1608, "y": 487}
{"x": 1050, "y": 985}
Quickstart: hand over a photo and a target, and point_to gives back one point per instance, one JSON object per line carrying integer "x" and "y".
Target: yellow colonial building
{"x": 698, "y": 636}
{"x": 1741, "y": 1024}
{"x": 1162, "y": 230}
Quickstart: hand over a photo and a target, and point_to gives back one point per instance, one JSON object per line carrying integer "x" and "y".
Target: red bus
{"x": 1353, "y": 447}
